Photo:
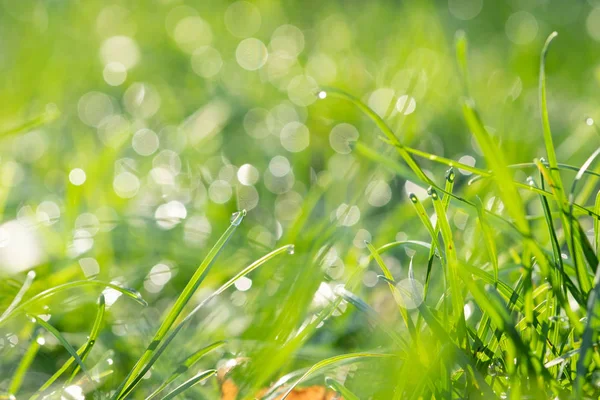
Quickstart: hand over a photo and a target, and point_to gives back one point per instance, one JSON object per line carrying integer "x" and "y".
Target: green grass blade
{"x": 131, "y": 293}
{"x": 182, "y": 300}
{"x": 83, "y": 351}
{"x": 424, "y": 218}
{"x": 552, "y": 160}
{"x": 341, "y": 389}
{"x": 24, "y": 364}
{"x": 390, "y": 279}
{"x": 185, "y": 366}
{"x": 450, "y": 252}
{"x": 161, "y": 347}
{"x": 190, "y": 383}
{"x": 329, "y": 362}
{"x": 54, "y": 332}
{"x": 93, "y": 334}
{"x": 24, "y": 288}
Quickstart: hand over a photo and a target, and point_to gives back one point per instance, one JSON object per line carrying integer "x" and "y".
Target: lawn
{"x": 306, "y": 200}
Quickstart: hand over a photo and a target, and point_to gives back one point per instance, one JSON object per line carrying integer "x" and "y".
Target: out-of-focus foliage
{"x": 130, "y": 131}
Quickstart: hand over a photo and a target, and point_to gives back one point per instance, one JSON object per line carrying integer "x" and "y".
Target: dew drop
{"x": 237, "y": 217}
{"x": 291, "y": 249}
{"x": 431, "y": 191}
{"x": 413, "y": 198}
{"x": 589, "y": 121}
{"x": 450, "y": 175}
{"x": 322, "y": 94}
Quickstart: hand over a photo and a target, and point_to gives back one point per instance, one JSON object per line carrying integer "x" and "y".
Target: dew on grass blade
{"x": 237, "y": 217}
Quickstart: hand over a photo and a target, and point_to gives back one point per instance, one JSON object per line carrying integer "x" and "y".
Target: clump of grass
{"x": 504, "y": 319}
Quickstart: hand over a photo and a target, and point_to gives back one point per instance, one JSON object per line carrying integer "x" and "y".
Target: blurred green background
{"x": 152, "y": 121}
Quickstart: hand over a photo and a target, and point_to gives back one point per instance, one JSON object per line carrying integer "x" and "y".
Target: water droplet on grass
{"x": 322, "y": 94}
{"x": 237, "y": 217}
{"x": 589, "y": 121}
{"x": 291, "y": 249}
{"x": 450, "y": 175}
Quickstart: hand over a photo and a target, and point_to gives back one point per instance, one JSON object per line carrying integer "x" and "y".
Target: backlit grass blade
{"x": 580, "y": 268}
{"x": 390, "y": 278}
{"x": 26, "y": 285}
{"x": 492, "y": 152}
{"x": 131, "y": 293}
{"x": 93, "y": 334}
{"x": 24, "y": 364}
{"x": 424, "y": 218}
{"x": 182, "y": 300}
{"x": 161, "y": 347}
{"x": 333, "y": 361}
{"x": 83, "y": 351}
{"x": 341, "y": 389}
{"x": 384, "y": 129}
{"x": 190, "y": 383}
{"x": 576, "y": 232}
{"x": 488, "y": 238}
{"x": 552, "y": 160}
{"x": 186, "y": 365}
{"x": 450, "y": 252}
{"x": 54, "y": 332}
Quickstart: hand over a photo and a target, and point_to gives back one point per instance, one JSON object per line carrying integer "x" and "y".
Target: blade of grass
{"x": 83, "y": 351}
{"x": 341, "y": 389}
{"x": 160, "y": 347}
{"x": 131, "y": 293}
{"x": 329, "y": 362}
{"x": 185, "y": 366}
{"x": 390, "y": 278}
{"x": 24, "y": 288}
{"x": 24, "y": 364}
{"x": 54, "y": 332}
{"x": 457, "y": 299}
{"x": 182, "y": 300}
{"x": 190, "y": 383}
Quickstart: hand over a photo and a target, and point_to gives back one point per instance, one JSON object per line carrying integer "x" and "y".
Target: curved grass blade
{"x": 384, "y": 128}
{"x": 54, "y": 332}
{"x": 186, "y": 365}
{"x": 341, "y": 389}
{"x": 24, "y": 288}
{"x": 83, "y": 351}
{"x": 390, "y": 279}
{"x": 189, "y": 383}
{"x": 344, "y": 358}
{"x": 24, "y": 364}
{"x": 156, "y": 352}
{"x": 131, "y": 293}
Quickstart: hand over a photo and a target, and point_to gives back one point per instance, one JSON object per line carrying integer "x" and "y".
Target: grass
{"x": 508, "y": 306}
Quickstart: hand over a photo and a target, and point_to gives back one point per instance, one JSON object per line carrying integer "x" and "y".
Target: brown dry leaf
{"x": 229, "y": 391}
